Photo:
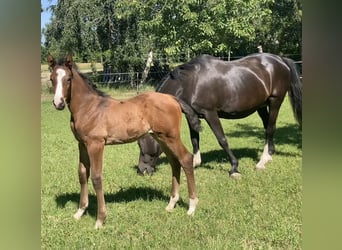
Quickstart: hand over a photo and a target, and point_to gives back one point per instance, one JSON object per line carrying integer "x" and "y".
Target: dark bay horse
{"x": 215, "y": 89}
{"x": 98, "y": 120}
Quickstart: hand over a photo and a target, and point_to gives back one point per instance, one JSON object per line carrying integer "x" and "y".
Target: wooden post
{"x": 260, "y": 49}
{"x": 147, "y": 67}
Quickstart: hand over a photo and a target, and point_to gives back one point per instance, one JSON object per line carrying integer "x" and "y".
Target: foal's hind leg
{"x": 83, "y": 175}
{"x": 175, "y": 183}
{"x": 95, "y": 151}
{"x": 179, "y": 156}
{"x": 215, "y": 125}
{"x": 187, "y": 164}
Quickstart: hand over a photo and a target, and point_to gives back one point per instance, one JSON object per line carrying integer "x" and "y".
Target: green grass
{"x": 262, "y": 210}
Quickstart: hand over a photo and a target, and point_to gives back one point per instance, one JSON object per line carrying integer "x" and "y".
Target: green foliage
{"x": 262, "y": 210}
{"x": 43, "y": 54}
{"x": 125, "y": 30}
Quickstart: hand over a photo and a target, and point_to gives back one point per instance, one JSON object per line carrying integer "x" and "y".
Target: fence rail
{"x": 134, "y": 78}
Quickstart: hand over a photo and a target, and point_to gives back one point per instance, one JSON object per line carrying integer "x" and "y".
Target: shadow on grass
{"x": 288, "y": 134}
{"x": 122, "y": 196}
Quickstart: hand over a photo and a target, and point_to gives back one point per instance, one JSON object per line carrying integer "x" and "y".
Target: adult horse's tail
{"x": 295, "y": 91}
{"x": 192, "y": 118}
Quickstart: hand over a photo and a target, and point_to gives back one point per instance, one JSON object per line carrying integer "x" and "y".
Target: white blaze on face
{"x": 59, "y": 87}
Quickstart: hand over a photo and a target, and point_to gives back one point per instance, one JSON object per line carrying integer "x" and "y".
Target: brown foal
{"x": 98, "y": 120}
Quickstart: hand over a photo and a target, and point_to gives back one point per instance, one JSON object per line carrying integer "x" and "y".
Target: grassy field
{"x": 262, "y": 210}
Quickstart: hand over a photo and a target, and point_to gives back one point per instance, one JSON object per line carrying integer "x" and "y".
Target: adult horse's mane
{"x": 187, "y": 70}
{"x": 92, "y": 85}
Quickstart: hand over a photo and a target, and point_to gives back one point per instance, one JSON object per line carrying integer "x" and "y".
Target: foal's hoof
{"x": 79, "y": 213}
{"x": 172, "y": 203}
{"x": 236, "y": 175}
{"x": 260, "y": 167}
{"x": 192, "y": 206}
{"x": 169, "y": 208}
{"x": 98, "y": 224}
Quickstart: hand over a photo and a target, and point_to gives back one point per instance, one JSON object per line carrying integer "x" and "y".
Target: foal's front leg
{"x": 83, "y": 175}
{"x": 95, "y": 151}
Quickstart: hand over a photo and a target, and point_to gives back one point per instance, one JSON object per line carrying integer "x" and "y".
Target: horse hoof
{"x": 260, "y": 167}
{"x": 98, "y": 224}
{"x": 190, "y": 212}
{"x": 79, "y": 213}
{"x": 172, "y": 203}
{"x": 236, "y": 175}
{"x": 169, "y": 208}
{"x": 192, "y": 206}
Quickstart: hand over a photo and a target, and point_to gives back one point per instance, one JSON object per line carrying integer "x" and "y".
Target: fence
{"x": 112, "y": 80}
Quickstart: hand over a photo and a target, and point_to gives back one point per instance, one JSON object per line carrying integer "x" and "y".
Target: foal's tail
{"x": 295, "y": 91}
{"x": 192, "y": 118}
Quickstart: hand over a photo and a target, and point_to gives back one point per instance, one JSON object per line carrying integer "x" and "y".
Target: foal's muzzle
{"x": 60, "y": 105}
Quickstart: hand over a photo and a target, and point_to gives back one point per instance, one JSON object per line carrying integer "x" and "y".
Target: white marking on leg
{"x": 236, "y": 176}
{"x": 98, "y": 224}
{"x": 79, "y": 213}
{"x": 192, "y": 206}
{"x": 197, "y": 159}
{"x": 59, "y": 88}
{"x": 172, "y": 203}
{"x": 265, "y": 157}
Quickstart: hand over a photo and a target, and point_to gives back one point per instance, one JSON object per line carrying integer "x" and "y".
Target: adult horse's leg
{"x": 265, "y": 116}
{"x": 269, "y": 148}
{"x": 215, "y": 125}
{"x": 194, "y": 127}
{"x": 194, "y": 135}
{"x": 95, "y": 151}
{"x": 83, "y": 176}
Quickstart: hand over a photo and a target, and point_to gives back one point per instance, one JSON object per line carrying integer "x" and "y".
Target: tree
{"x": 282, "y": 33}
{"x": 72, "y": 28}
{"x": 195, "y": 26}
{"x": 122, "y": 32}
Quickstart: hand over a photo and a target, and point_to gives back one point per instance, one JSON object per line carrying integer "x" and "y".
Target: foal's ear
{"x": 68, "y": 61}
{"x": 51, "y": 61}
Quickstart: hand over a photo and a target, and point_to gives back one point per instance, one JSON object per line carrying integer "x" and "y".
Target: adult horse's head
{"x": 61, "y": 76}
{"x": 149, "y": 153}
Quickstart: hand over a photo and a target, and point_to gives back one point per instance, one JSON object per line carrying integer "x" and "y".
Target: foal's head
{"x": 61, "y": 77}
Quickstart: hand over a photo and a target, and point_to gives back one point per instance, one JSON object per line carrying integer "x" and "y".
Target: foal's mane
{"x": 84, "y": 77}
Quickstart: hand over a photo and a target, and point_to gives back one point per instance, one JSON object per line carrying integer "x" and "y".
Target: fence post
{"x": 137, "y": 81}
{"x": 147, "y": 67}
